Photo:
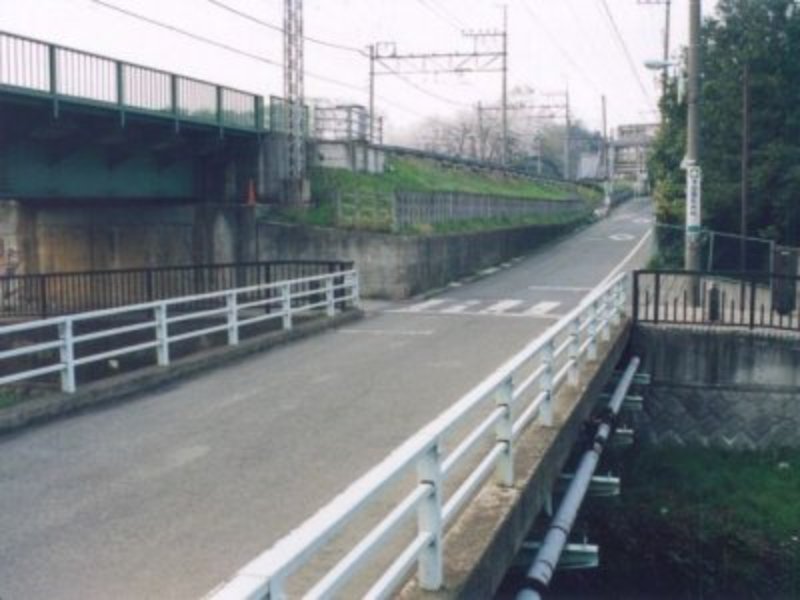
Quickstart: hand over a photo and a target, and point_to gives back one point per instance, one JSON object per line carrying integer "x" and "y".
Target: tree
{"x": 765, "y": 34}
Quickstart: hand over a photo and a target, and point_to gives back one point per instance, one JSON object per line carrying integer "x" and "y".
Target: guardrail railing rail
{"x": 751, "y": 300}
{"x": 59, "y": 345}
{"x": 482, "y": 428}
{"x": 51, "y": 294}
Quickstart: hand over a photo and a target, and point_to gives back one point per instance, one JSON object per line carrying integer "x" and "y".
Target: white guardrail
{"x": 238, "y": 308}
{"x": 458, "y": 450}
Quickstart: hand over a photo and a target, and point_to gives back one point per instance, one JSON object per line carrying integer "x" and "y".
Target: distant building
{"x": 630, "y": 151}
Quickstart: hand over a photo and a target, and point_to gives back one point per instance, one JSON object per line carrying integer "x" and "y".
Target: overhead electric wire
{"x": 268, "y": 25}
{"x": 625, "y": 50}
{"x": 554, "y": 39}
{"x": 439, "y": 15}
{"x": 410, "y": 82}
{"x": 244, "y": 53}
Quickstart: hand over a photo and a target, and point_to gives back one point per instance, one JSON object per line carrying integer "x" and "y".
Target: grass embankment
{"x": 698, "y": 523}
{"x": 366, "y": 198}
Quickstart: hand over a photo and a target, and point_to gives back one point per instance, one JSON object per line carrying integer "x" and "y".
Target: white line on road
{"x": 542, "y": 308}
{"x": 502, "y": 306}
{"x": 387, "y": 332}
{"x": 628, "y": 258}
{"x": 558, "y": 288}
{"x": 423, "y": 306}
{"x": 460, "y": 308}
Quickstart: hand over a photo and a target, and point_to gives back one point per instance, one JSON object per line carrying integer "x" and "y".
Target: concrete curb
{"x": 124, "y": 387}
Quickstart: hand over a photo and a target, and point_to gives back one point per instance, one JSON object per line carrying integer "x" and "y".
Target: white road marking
{"x": 628, "y": 258}
{"x": 460, "y": 308}
{"x": 558, "y": 288}
{"x": 502, "y": 306}
{"x": 490, "y": 271}
{"x": 542, "y": 308}
{"x": 408, "y": 332}
{"x": 622, "y": 237}
{"x": 422, "y": 306}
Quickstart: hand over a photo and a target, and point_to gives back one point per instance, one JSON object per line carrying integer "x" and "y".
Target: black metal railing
{"x": 752, "y": 300}
{"x": 51, "y": 294}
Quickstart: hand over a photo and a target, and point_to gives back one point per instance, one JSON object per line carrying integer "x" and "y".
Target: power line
{"x": 250, "y": 55}
{"x": 279, "y": 29}
{"x": 563, "y": 51}
{"x": 186, "y": 33}
{"x": 420, "y": 88}
{"x": 439, "y": 15}
{"x": 626, "y": 51}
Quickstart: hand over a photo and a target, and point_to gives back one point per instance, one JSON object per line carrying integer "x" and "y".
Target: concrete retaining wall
{"x": 721, "y": 388}
{"x": 395, "y": 266}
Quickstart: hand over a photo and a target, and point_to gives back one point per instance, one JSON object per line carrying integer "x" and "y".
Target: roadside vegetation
{"x": 697, "y": 523}
{"x": 364, "y": 201}
{"x": 764, "y": 36}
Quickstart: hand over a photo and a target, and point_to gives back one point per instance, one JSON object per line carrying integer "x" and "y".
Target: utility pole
{"x": 694, "y": 176}
{"x": 293, "y": 80}
{"x": 606, "y": 158}
{"x": 567, "y": 136}
{"x": 745, "y": 164}
{"x": 667, "y": 26}
{"x": 372, "y": 93}
{"x": 479, "y": 60}
{"x": 506, "y": 148}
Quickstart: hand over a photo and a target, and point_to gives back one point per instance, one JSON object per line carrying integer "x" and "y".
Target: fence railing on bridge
{"x": 752, "y": 300}
{"x": 49, "y": 294}
{"x": 61, "y": 346}
{"x": 432, "y": 476}
{"x": 41, "y": 68}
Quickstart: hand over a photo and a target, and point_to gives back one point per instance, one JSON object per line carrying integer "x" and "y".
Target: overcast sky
{"x": 552, "y": 44}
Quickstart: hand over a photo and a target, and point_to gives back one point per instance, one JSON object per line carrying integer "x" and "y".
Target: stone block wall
{"x": 732, "y": 389}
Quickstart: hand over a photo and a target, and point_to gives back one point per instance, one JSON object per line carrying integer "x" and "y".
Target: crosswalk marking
{"x": 502, "y": 306}
{"x": 460, "y": 308}
{"x": 499, "y": 308}
{"x": 423, "y": 306}
{"x": 542, "y": 308}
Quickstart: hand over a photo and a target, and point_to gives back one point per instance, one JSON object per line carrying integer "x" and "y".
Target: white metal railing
{"x": 509, "y": 400}
{"x": 58, "y": 343}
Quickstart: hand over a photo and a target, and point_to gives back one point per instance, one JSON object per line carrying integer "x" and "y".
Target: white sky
{"x": 552, "y": 43}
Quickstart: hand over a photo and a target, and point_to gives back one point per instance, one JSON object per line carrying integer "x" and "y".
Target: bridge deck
{"x": 169, "y": 495}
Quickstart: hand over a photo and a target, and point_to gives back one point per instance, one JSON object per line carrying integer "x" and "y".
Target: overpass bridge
{"x": 172, "y": 494}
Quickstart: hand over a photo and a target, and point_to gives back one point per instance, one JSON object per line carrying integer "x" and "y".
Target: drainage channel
{"x": 552, "y": 551}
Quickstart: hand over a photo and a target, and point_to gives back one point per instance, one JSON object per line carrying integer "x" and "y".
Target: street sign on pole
{"x": 694, "y": 180}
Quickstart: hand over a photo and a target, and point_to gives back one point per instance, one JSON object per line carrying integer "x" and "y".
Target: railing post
{"x": 753, "y": 284}
{"x": 43, "y": 295}
{"x": 592, "y": 330}
{"x": 548, "y": 358}
{"x": 429, "y": 520}
{"x": 356, "y": 288}
{"x": 635, "y": 276}
{"x": 504, "y": 434}
{"x": 232, "y": 312}
{"x": 286, "y": 305}
{"x": 657, "y": 296}
{"x": 330, "y": 300}
{"x": 53, "y": 59}
{"x": 67, "y": 356}
{"x": 574, "y": 351}
{"x": 162, "y": 334}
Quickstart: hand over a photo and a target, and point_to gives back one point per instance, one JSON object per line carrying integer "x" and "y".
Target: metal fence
{"x": 752, "y": 300}
{"x": 63, "y": 73}
{"x": 396, "y": 211}
{"x": 59, "y": 346}
{"x": 439, "y": 471}
{"x": 52, "y": 294}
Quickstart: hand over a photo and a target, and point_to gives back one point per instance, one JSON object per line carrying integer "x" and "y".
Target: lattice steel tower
{"x": 293, "y": 77}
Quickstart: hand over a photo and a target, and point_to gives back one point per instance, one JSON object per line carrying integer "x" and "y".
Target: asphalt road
{"x": 167, "y": 495}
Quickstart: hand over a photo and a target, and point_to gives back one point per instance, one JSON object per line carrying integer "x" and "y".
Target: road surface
{"x": 167, "y": 495}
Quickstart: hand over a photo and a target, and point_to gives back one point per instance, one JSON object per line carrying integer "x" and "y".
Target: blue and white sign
{"x": 694, "y": 180}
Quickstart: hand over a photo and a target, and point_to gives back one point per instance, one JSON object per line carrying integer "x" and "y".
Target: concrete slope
{"x": 167, "y": 495}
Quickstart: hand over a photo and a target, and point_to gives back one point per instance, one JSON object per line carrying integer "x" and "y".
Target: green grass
{"x": 8, "y": 399}
{"x": 409, "y": 174}
{"x": 366, "y": 199}
{"x": 699, "y": 523}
